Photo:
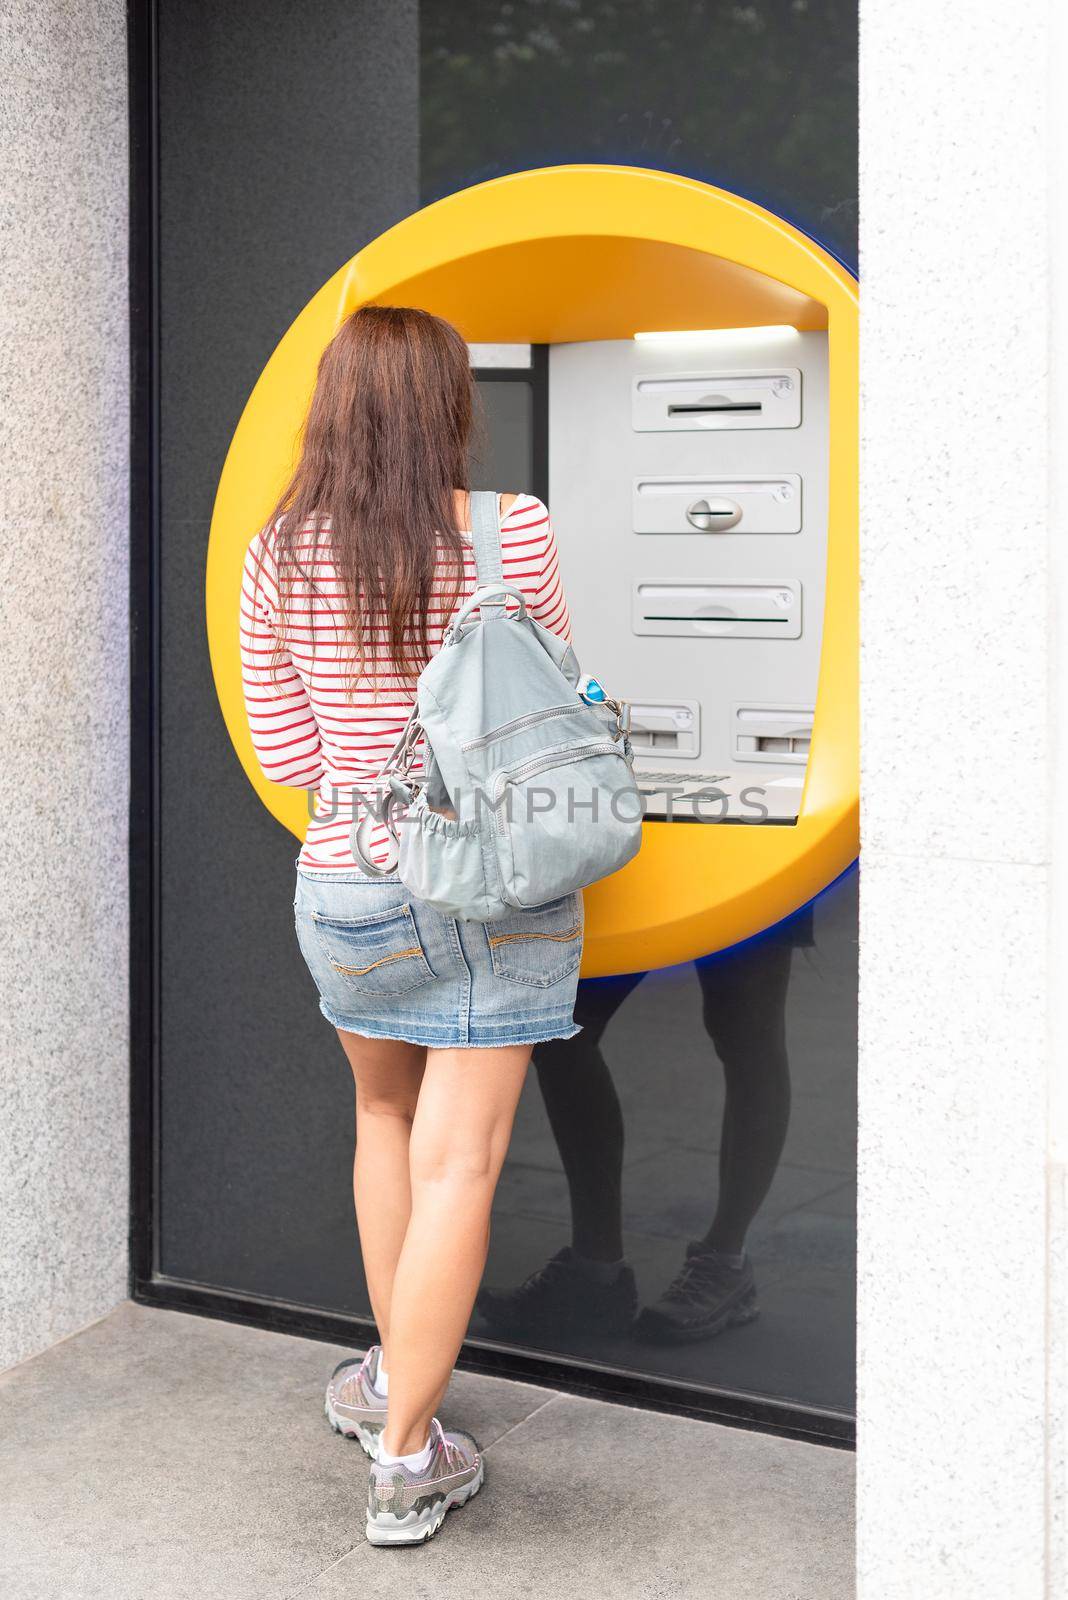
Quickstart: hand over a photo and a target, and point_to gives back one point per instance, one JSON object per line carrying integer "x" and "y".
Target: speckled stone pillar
{"x": 960, "y": 1460}
{"x": 63, "y": 639}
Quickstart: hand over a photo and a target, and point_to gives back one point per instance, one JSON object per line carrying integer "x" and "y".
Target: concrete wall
{"x": 960, "y": 1471}
{"x": 63, "y": 662}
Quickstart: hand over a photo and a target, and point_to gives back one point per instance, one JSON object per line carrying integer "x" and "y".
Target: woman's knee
{"x": 379, "y": 1100}
{"x": 456, "y": 1157}
{"x": 466, "y": 1109}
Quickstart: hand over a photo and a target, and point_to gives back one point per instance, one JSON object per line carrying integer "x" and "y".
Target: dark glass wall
{"x": 288, "y": 139}
{"x": 719, "y": 1095}
{"x": 759, "y": 98}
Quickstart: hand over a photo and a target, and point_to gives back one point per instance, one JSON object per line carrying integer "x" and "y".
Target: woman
{"x": 346, "y": 595}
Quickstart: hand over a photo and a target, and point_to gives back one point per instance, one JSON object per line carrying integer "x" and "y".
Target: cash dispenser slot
{"x": 665, "y": 728}
{"x": 718, "y": 610}
{"x": 686, "y": 402}
{"x": 718, "y": 505}
{"x": 713, "y": 405}
{"x": 780, "y": 734}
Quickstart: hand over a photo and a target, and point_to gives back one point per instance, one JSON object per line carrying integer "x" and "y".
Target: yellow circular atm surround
{"x": 577, "y": 253}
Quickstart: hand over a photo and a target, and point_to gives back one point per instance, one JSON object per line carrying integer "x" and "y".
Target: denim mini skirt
{"x": 390, "y": 967}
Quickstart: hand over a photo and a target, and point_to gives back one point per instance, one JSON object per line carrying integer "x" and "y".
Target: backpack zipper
{"x": 562, "y": 756}
{"x": 518, "y": 723}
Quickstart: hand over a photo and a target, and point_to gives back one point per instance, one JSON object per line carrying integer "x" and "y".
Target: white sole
{"x": 419, "y": 1526}
{"x": 366, "y": 1437}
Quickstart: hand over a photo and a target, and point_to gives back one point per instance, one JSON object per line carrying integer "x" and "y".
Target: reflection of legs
{"x": 587, "y": 1120}
{"x": 586, "y": 1286}
{"x": 745, "y": 1014}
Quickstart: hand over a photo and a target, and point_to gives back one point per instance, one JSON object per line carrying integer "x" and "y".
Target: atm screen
{"x": 509, "y": 452}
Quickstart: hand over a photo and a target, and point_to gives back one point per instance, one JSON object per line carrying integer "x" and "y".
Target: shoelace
{"x": 354, "y": 1379}
{"x": 698, "y": 1273}
{"x": 547, "y": 1274}
{"x": 454, "y": 1456}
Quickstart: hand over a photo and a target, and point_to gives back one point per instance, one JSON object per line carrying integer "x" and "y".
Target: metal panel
{"x": 713, "y": 401}
{"x": 711, "y": 504}
{"x": 613, "y": 484}
{"x": 718, "y": 610}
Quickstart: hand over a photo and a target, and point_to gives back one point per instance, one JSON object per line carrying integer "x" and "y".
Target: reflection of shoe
{"x": 405, "y": 1507}
{"x": 708, "y": 1295}
{"x": 354, "y": 1406}
{"x": 561, "y": 1297}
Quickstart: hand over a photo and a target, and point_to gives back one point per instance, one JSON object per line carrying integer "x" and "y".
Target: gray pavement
{"x": 157, "y": 1456}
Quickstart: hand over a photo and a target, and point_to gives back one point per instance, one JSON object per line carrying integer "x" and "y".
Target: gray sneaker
{"x": 353, "y": 1405}
{"x": 409, "y": 1507}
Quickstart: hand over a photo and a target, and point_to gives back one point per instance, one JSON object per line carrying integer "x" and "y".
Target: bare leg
{"x": 459, "y": 1139}
{"x": 388, "y": 1074}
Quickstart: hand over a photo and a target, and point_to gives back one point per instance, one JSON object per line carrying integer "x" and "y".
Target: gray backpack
{"x": 534, "y": 775}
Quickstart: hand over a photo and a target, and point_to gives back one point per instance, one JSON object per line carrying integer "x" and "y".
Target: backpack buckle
{"x": 406, "y": 749}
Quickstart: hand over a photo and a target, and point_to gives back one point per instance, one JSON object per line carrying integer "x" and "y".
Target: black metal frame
{"x": 565, "y": 1373}
{"x": 147, "y": 1284}
{"x": 144, "y": 637}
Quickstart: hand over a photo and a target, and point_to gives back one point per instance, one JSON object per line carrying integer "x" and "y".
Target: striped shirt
{"x": 311, "y": 729}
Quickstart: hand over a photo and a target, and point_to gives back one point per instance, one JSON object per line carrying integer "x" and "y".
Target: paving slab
{"x": 159, "y": 1456}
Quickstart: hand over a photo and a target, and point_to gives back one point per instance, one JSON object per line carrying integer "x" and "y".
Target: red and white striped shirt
{"x": 310, "y": 728}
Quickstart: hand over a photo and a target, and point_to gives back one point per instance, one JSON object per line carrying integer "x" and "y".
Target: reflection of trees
{"x": 757, "y": 96}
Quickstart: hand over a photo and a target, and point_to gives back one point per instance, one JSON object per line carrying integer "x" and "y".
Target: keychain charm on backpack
{"x": 594, "y": 695}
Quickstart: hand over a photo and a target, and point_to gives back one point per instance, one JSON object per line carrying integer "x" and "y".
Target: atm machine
{"x": 702, "y": 485}
{"x": 688, "y": 489}
{"x": 703, "y": 488}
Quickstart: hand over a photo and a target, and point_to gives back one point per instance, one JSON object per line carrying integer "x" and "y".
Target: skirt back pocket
{"x": 376, "y": 954}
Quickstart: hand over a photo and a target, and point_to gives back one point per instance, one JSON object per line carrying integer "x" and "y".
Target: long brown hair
{"x": 384, "y": 445}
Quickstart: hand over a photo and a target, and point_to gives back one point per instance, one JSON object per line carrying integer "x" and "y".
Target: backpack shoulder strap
{"x": 486, "y": 531}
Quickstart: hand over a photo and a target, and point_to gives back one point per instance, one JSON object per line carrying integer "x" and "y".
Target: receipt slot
{"x": 711, "y": 401}
{"x": 703, "y": 489}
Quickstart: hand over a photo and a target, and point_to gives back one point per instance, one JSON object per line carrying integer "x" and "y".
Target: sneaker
{"x": 353, "y": 1405}
{"x": 405, "y": 1507}
{"x": 560, "y": 1298}
{"x": 708, "y": 1295}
